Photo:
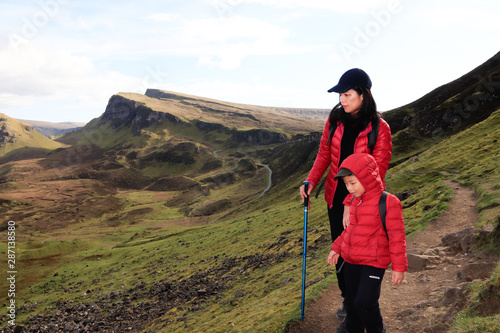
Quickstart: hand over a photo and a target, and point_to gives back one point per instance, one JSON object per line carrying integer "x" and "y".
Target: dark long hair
{"x": 366, "y": 114}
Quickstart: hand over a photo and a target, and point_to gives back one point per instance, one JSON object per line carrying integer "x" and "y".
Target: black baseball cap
{"x": 354, "y": 77}
{"x": 343, "y": 172}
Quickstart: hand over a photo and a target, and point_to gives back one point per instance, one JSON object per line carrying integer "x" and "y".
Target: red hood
{"x": 366, "y": 170}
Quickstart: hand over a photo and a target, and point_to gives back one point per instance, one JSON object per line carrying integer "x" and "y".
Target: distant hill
{"x": 21, "y": 139}
{"x": 50, "y": 129}
{"x": 166, "y": 141}
{"x": 300, "y": 113}
{"x": 217, "y": 123}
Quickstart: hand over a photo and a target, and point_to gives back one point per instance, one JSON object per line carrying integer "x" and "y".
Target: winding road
{"x": 269, "y": 182}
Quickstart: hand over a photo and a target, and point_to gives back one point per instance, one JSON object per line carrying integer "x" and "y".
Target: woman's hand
{"x": 345, "y": 219}
{"x": 333, "y": 257}
{"x": 303, "y": 192}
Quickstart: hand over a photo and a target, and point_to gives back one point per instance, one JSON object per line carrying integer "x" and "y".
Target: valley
{"x": 176, "y": 213}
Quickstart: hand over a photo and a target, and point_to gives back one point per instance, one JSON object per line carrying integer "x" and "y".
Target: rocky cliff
{"x": 122, "y": 111}
{"x": 237, "y": 123}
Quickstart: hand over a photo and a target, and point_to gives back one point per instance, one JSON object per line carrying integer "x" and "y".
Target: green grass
{"x": 483, "y": 298}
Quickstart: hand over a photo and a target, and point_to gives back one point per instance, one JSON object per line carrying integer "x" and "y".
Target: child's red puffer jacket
{"x": 364, "y": 242}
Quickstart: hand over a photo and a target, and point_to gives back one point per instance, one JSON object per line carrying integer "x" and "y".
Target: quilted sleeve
{"x": 397, "y": 237}
{"x": 382, "y": 151}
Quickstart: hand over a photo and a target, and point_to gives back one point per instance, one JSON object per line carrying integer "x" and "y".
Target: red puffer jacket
{"x": 364, "y": 242}
{"x": 329, "y": 155}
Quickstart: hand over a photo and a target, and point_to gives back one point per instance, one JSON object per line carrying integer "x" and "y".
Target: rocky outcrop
{"x": 259, "y": 137}
{"x": 6, "y": 136}
{"x": 208, "y": 127}
{"x": 314, "y": 137}
{"x": 160, "y": 94}
{"x": 121, "y": 111}
{"x": 456, "y": 263}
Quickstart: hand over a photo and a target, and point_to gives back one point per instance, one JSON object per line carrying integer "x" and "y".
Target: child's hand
{"x": 397, "y": 278}
{"x": 333, "y": 257}
{"x": 345, "y": 219}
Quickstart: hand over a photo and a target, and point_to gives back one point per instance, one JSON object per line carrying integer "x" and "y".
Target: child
{"x": 366, "y": 248}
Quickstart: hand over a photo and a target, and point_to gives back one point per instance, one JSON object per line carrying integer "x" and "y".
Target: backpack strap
{"x": 333, "y": 128}
{"x": 373, "y": 135}
{"x": 320, "y": 187}
{"x": 382, "y": 205}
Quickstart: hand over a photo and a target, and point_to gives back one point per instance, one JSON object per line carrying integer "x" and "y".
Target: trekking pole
{"x": 304, "y": 253}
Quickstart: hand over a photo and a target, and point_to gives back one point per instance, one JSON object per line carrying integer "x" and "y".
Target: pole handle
{"x": 306, "y": 189}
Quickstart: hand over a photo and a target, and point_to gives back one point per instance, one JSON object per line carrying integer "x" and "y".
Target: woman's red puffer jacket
{"x": 329, "y": 155}
{"x": 365, "y": 242}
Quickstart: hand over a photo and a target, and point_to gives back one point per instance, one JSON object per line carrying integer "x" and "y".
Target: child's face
{"x": 353, "y": 185}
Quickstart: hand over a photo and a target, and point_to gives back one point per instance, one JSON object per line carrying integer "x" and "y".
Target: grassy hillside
{"x": 161, "y": 271}
{"x": 470, "y": 157}
{"x": 18, "y": 140}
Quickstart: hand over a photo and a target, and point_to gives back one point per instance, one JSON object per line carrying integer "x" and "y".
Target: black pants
{"x": 336, "y": 216}
{"x": 363, "y": 284}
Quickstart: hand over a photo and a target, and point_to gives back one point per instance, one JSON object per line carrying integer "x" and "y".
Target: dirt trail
{"x": 414, "y": 306}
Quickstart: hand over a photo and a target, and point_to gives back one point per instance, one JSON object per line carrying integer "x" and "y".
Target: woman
{"x": 351, "y": 123}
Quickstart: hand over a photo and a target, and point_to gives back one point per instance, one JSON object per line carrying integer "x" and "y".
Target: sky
{"x": 61, "y": 60}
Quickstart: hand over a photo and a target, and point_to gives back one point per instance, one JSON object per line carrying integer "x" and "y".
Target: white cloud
{"x": 165, "y": 17}
{"x": 80, "y": 23}
{"x": 226, "y": 42}
{"x": 8, "y": 101}
{"x": 38, "y": 72}
{"x": 338, "y": 6}
{"x": 473, "y": 18}
{"x": 215, "y": 30}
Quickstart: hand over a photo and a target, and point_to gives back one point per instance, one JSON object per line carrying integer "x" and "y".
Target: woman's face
{"x": 351, "y": 101}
